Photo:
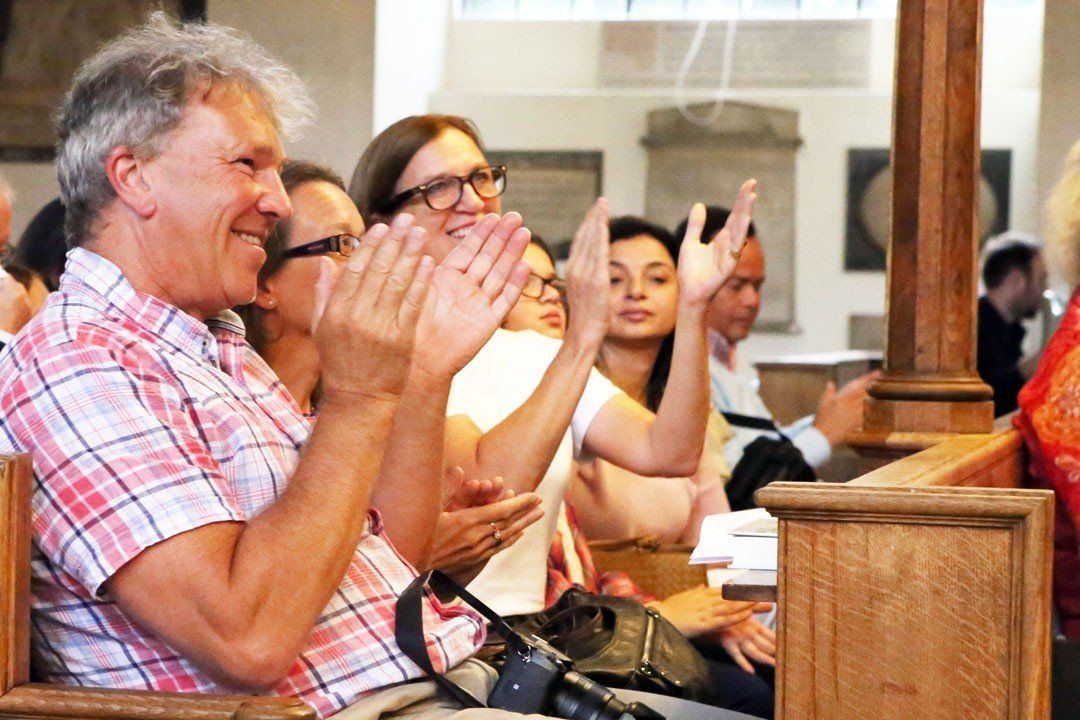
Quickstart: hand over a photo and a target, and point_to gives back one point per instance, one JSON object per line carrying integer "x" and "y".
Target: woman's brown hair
{"x": 385, "y": 159}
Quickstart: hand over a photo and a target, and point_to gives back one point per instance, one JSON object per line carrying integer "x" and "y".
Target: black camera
{"x": 537, "y": 678}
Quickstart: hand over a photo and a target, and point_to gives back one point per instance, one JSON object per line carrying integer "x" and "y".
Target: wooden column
{"x": 930, "y": 385}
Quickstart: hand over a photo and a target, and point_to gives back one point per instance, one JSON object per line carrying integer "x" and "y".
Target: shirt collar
{"x": 102, "y": 284}
{"x": 721, "y": 349}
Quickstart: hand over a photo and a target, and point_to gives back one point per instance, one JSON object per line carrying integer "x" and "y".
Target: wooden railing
{"x": 919, "y": 590}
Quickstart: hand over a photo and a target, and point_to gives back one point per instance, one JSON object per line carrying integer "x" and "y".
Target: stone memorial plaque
{"x": 688, "y": 163}
{"x": 551, "y": 190}
{"x": 42, "y": 43}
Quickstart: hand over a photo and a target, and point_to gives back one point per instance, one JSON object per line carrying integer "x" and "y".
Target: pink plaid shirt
{"x": 144, "y": 423}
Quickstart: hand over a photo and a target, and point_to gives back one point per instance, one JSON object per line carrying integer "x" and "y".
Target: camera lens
{"x": 579, "y": 698}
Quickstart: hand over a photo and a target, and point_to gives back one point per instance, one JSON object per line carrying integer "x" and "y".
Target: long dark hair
{"x": 385, "y": 159}
{"x": 293, "y": 174}
{"x": 624, "y": 228}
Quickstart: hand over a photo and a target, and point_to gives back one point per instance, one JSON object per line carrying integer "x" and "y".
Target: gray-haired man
{"x": 192, "y": 529}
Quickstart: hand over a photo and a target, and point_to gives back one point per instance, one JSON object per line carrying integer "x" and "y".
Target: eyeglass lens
{"x": 487, "y": 182}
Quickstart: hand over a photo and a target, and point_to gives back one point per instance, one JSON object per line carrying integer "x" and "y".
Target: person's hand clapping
{"x": 365, "y": 321}
{"x": 479, "y": 519}
{"x": 704, "y": 267}
{"x": 588, "y": 280}
{"x": 472, "y": 290}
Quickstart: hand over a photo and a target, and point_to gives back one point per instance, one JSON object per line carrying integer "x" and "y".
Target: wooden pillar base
{"x": 927, "y": 416}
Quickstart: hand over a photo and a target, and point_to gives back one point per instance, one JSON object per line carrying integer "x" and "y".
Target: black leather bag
{"x": 621, "y": 643}
{"x": 765, "y": 460}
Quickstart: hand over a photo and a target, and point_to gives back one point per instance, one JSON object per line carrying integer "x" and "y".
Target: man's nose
{"x": 274, "y": 200}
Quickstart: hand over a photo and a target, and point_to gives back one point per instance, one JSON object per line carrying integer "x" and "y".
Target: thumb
{"x": 324, "y": 285}
{"x": 828, "y": 394}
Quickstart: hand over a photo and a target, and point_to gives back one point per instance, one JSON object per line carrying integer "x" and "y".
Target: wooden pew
{"x": 919, "y": 590}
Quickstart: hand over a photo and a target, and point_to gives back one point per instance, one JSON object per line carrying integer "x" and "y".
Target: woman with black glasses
{"x": 527, "y": 403}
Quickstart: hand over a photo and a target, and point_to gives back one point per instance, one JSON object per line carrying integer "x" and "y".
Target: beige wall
{"x": 331, "y": 45}
{"x": 1059, "y": 116}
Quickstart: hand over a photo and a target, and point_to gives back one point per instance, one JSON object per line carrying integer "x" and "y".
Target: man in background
{"x": 734, "y": 381}
{"x": 1014, "y": 274}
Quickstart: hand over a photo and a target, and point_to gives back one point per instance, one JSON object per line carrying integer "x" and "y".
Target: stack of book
{"x": 745, "y": 540}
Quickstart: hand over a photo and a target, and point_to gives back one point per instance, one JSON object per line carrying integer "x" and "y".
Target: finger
{"x": 409, "y": 310}
{"x": 401, "y": 274}
{"x": 756, "y": 654}
{"x": 695, "y": 223}
{"x": 765, "y": 644}
{"x": 522, "y": 523}
{"x": 505, "y": 508}
{"x": 511, "y": 291}
{"x": 324, "y": 286}
{"x": 736, "y": 654}
{"x": 348, "y": 284}
{"x": 738, "y": 222}
{"x": 828, "y": 393}
{"x": 493, "y": 247}
{"x": 464, "y": 252}
{"x": 732, "y": 618}
{"x": 504, "y": 265}
{"x": 385, "y": 257}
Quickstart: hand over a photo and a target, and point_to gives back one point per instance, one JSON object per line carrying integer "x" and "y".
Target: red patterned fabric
{"x": 144, "y": 423}
{"x": 1050, "y": 422}
{"x": 617, "y": 584}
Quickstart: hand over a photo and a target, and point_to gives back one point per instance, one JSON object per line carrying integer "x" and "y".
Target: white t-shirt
{"x": 496, "y": 383}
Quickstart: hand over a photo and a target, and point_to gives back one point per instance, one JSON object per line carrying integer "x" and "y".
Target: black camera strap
{"x": 753, "y": 422}
{"x": 409, "y": 629}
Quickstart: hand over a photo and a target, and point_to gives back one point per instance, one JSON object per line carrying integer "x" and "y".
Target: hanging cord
{"x": 725, "y": 74}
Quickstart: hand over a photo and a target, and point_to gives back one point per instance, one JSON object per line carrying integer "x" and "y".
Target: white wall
{"x": 536, "y": 86}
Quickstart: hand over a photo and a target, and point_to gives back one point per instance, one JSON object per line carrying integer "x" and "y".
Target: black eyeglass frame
{"x": 326, "y": 245}
{"x": 498, "y": 173}
{"x": 555, "y": 283}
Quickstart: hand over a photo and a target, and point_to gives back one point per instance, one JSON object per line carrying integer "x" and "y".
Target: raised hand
{"x": 472, "y": 290}
{"x": 704, "y": 267}
{"x": 366, "y": 320}
{"x": 588, "y": 279}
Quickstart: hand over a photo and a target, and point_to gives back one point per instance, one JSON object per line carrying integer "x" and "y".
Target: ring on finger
{"x": 735, "y": 254}
{"x": 496, "y": 533}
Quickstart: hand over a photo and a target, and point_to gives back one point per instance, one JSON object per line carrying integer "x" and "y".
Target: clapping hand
{"x": 365, "y": 319}
{"x": 478, "y": 520}
{"x": 704, "y": 267}
{"x": 588, "y": 279}
{"x": 472, "y": 290}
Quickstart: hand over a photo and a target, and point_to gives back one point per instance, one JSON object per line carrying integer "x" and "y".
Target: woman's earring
{"x": 271, "y": 302}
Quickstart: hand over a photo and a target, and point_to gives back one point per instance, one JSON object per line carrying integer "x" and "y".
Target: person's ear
{"x": 126, "y": 173}
{"x": 265, "y": 298}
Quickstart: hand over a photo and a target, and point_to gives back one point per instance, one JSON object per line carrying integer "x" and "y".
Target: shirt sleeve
{"x": 118, "y": 461}
{"x": 814, "y": 446}
{"x": 598, "y": 391}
